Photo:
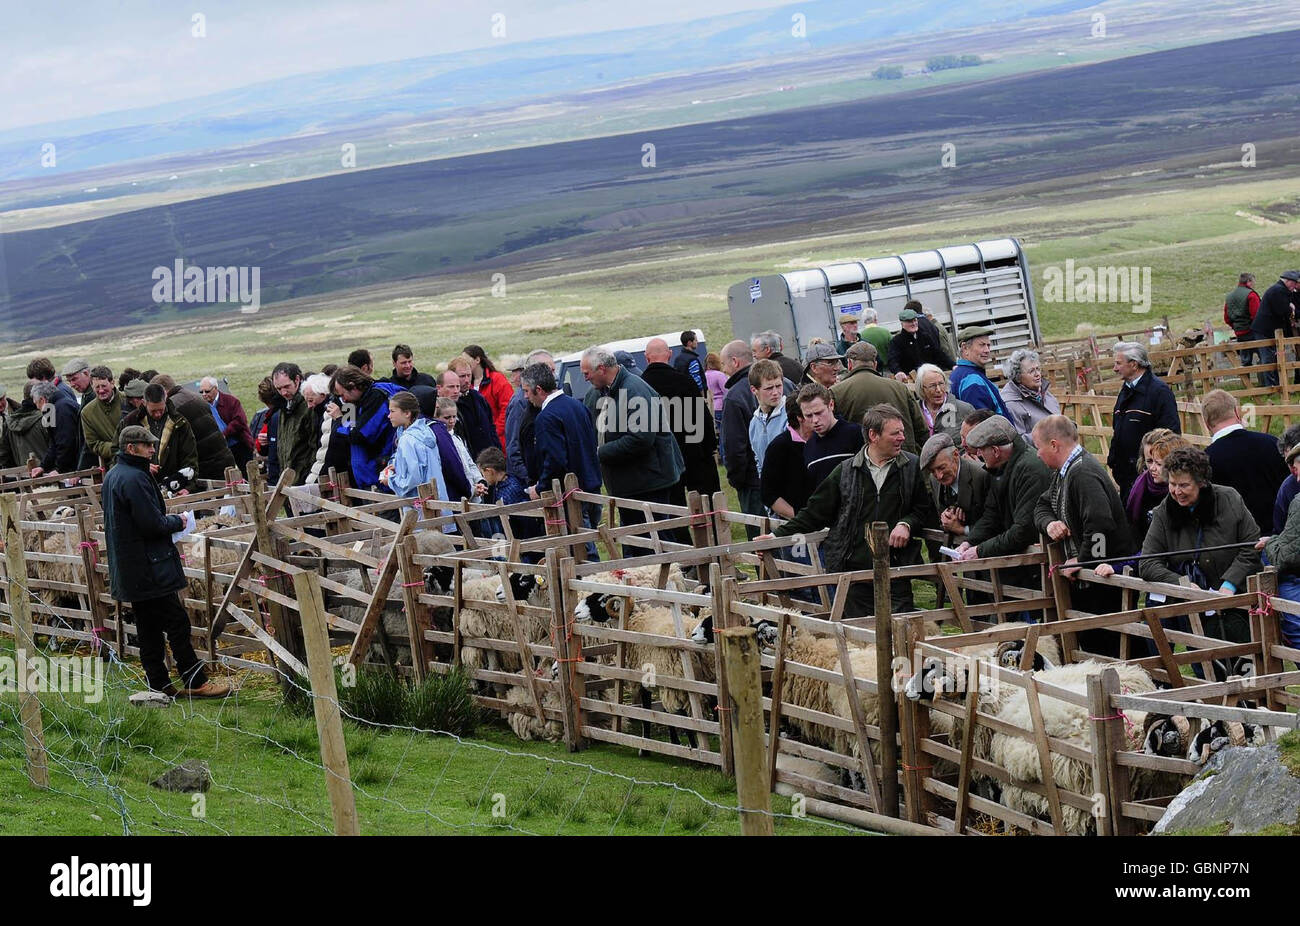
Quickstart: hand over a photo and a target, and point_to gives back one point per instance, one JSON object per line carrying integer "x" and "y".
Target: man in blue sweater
{"x": 968, "y": 381}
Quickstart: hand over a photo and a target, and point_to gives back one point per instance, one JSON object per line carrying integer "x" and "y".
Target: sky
{"x": 62, "y": 61}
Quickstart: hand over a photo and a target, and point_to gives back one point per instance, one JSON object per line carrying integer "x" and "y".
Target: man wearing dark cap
{"x": 959, "y": 487}
{"x": 132, "y": 396}
{"x": 968, "y": 380}
{"x": 1019, "y": 481}
{"x": 864, "y": 387}
{"x": 822, "y": 364}
{"x": 145, "y": 570}
{"x": 1277, "y": 310}
{"x": 918, "y": 342}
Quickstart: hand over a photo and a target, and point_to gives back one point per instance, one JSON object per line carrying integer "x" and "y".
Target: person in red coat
{"x": 492, "y": 385}
{"x": 229, "y": 411}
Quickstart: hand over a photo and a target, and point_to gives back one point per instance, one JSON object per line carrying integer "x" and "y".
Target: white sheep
{"x": 655, "y": 662}
{"x": 1069, "y": 722}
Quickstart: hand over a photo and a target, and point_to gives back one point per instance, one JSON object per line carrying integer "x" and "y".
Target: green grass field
{"x": 267, "y": 777}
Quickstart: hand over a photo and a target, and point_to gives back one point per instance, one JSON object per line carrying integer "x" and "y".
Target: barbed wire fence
{"x": 102, "y": 750}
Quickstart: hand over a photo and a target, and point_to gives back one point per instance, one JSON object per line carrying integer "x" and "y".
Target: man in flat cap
{"x": 1019, "y": 480}
{"x": 918, "y": 341}
{"x": 145, "y": 570}
{"x": 822, "y": 364}
{"x": 881, "y": 482}
{"x": 969, "y": 381}
{"x": 959, "y": 487}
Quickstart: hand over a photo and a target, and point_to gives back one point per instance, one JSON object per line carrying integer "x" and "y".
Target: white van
{"x": 568, "y": 369}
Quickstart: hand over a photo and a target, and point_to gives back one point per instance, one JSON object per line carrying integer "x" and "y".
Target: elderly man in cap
{"x": 959, "y": 487}
{"x": 822, "y": 365}
{"x": 916, "y": 343}
{"x": 864, "y": 387}
{"x": 848, "y": 333}
{"x": 881, "y": 482}
{"x": 968, "y": 381}
{"x": 1277, "y": 310}
{"x": 145, "y": 570}
{"x": 1019, "y": 481}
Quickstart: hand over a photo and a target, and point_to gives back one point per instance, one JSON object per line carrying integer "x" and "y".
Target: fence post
{"x": 572, "y": 514}
{"x": 568, "y": 648}
{"x": 325, "y": 700}
{"x": 1115, "y": 743}
{"x": 907, "y": 727}
{"x": 745, "y": 712}
{"x": 20, "y": 615}
{"x": 1060, "y": 594}
{"x": 1100, "y": 756}
{"x": 1264, "y": 584}
{"x": 89, "y": 560}
{"x": 723, "y": 591}
{"x": 412, "y": 585}
{"x": 884, "y": 670}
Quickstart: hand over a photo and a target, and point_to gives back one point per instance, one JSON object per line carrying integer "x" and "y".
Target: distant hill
{"x": 488, "y": 212}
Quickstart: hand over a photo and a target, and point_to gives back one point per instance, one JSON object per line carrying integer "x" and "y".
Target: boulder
{"x": 1242, "y": 791}
{"x": 188, "y": 777}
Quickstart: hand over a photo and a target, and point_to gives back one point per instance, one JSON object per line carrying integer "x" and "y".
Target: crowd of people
{"x": 905, "y": 428}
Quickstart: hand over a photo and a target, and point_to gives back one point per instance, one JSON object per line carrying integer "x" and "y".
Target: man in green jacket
{"x": 882, "y": 482}
{"x": 864, "y": 387}
{"x": 100, "y": 417}
{"x": 298, "y": 431}
{"x": 1020, "y": 479}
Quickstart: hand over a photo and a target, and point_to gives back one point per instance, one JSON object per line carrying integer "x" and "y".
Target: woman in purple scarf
{"x": 1150, "y": 487}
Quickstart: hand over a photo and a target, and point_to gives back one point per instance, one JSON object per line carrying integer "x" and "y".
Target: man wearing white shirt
{"x": 1247, "y": 460}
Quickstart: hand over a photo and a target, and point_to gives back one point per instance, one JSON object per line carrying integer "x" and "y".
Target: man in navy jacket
{"x": 366, "y": 428}
{"x": 1144, "y": 403}
{"x": 564, "y": 440}
{"x": 1246, "y": 460}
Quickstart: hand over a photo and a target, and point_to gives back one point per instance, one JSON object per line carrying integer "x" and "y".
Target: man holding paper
{"x": 145, "y": 570}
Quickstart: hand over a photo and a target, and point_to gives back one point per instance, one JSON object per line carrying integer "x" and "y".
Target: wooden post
{"x": 774, "y": 718}
{"x": 740, "y": 651}
{"x": 884, "y": 670}
{"x": 1265, "y": 585}
{"x": 723, "y": 591}
{"x": 967, "y": 746}
{"x": 1061, "y": 594}
{"x": 572, "y": 512}
{"x": 1282, "y": 379}
{"x": 907, "y": 727}
{"x": 1100, "y": 766}
{"x": 284, "y": 630}
{"x": 94, "y": 586}
{"x": 325, "y": 699}
{"x": 568, "y": 648}
{"x": 412, "y": 585}
{"x": 20, "y": 615}
{"x": 1117, "y": 775}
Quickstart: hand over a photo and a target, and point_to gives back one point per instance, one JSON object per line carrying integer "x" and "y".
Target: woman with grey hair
{"x": 1027, "y": 394}
{"x": 943, "y": 413}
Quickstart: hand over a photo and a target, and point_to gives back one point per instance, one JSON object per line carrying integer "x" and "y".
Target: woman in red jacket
{"x": 492, "y": 385}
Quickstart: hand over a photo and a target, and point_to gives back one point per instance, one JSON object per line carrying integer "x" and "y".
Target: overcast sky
{"x": 66, "y": 60}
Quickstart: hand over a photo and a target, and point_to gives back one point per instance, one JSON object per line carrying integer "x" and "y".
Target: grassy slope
{"x": 1192, "y": 239}
{"x": 267, "y": 778}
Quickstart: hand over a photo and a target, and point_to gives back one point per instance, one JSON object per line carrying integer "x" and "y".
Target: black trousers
{"x": 1097, "y": 599}
{"x": 154, "y": 618}
{"x": 628, "y": 516}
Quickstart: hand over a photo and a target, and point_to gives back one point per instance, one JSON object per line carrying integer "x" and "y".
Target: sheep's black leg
{"x": 645, "y": 703}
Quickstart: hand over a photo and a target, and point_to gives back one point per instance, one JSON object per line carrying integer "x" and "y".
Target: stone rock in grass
{"x": 1243, "y": 790}
{"x": 188, "y": 777}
